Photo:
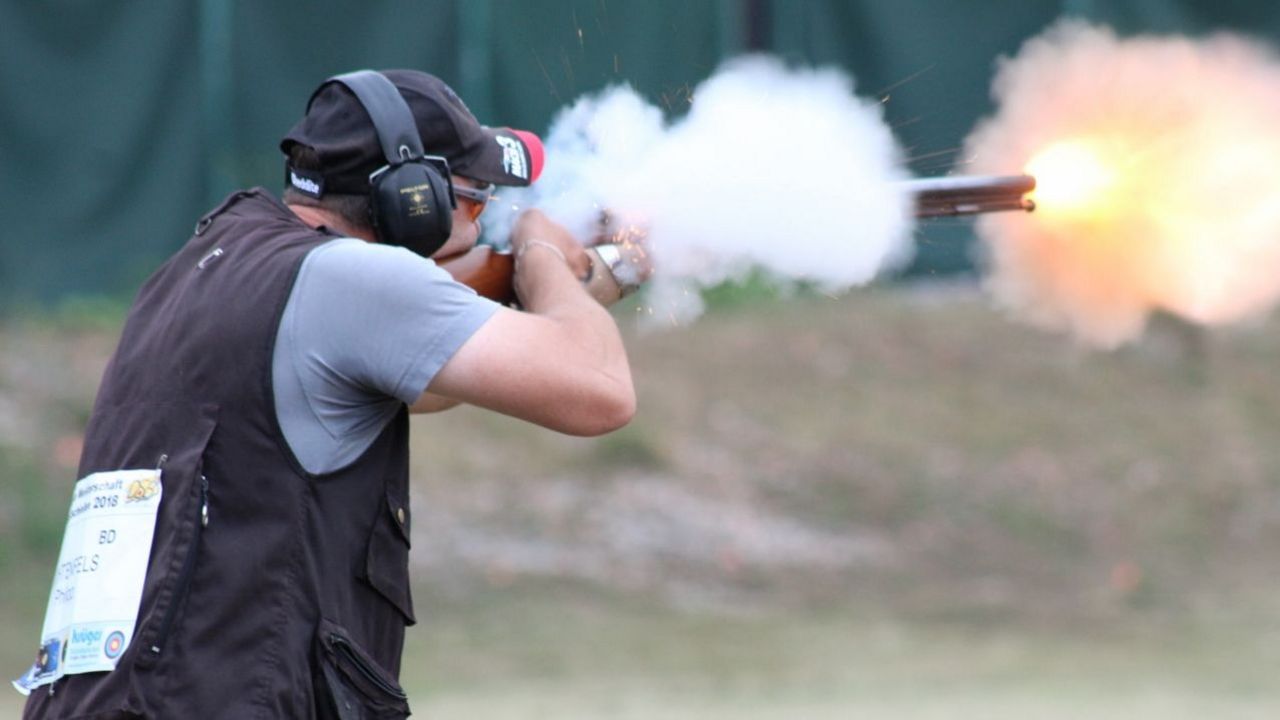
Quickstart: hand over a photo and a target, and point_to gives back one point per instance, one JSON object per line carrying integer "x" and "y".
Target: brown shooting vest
{"x": 270, "y": 592}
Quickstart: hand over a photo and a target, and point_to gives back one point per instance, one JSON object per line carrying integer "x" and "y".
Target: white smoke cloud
{"x": 774, "y": 167}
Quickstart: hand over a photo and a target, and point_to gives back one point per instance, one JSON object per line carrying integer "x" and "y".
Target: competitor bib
{"x": 97, "y": 585}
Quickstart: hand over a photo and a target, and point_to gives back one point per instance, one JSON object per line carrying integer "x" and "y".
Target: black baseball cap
{"x": 338, "y": 128}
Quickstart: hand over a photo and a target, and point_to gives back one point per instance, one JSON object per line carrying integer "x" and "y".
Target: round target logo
{"x": 114, "y": 645}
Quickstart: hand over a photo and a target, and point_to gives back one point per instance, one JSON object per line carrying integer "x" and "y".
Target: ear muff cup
{"x": 411, "y": 198}
{"x": 410, "y": 204}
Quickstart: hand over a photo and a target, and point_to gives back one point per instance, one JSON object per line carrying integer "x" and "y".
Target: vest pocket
{"x": 179, "y": 582}
{"x": 387, "y": 561}
{"x": 182, "y": 517}
{"x": 350, "y": 684}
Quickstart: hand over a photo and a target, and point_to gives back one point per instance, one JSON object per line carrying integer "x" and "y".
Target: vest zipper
{"x": 204, "y": 501}
{"x": 343, "y": 648}
{"x": 184, "y": 576}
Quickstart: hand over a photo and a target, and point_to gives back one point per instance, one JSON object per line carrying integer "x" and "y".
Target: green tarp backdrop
{"x": 121, "y": 122}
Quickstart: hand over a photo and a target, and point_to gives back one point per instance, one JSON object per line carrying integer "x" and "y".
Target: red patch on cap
{"x": 536, "y": 153}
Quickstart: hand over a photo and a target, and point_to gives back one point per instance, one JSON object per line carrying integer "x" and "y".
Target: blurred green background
{"x": 123, "y": 121}
{"x": 892, "y": 504}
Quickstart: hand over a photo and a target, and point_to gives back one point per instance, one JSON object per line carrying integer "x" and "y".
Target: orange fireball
{"x": 1157, "y": 164}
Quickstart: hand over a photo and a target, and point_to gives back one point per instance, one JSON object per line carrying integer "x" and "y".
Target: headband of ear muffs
{"x": 411, "y": 198}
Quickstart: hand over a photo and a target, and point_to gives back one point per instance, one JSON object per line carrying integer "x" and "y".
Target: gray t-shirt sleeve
{"x": 365, "y": 329}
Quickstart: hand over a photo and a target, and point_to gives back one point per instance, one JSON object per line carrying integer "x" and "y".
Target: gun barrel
{"x": 971, "y": 195}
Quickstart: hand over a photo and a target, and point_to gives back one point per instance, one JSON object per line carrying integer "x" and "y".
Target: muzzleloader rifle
{"x": 488, "y": 271}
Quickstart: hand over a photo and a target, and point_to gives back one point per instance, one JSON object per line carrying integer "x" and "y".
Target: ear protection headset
{"x": 411, "y": 198}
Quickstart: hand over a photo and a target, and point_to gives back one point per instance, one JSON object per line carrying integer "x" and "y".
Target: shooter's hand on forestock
{"x": 620, "y": 260}
{"x": 614, "y": 266}
{"x": 537, "y": 236}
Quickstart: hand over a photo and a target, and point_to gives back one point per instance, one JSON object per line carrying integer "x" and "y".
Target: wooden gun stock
{"x": 485, "y": 270}
{"x": 489, "y": 272}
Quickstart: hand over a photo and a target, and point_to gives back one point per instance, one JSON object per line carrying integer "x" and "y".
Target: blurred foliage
{"x": 631, "y": 447}
{"x": 75, "y": 312}
{"x": 755, "y": 288}
{"x": 96, "y": 313}
{"x": 34, "y": 512}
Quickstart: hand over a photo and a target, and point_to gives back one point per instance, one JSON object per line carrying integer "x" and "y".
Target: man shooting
{"x": 264, "y": 378}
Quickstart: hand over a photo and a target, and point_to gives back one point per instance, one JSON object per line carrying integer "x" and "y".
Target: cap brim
{"x": 506, "y": 157}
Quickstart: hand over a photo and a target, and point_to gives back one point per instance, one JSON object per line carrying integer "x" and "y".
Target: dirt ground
{"x": 893, "y": 504}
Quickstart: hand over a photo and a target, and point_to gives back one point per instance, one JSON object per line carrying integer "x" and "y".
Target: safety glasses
{"x": 478, "y": 197}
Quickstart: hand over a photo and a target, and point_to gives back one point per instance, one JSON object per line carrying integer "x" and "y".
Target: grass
{"x": 533, "y": 652}
{"x": 530, "y": 650}
{"x": 895, "y": 504}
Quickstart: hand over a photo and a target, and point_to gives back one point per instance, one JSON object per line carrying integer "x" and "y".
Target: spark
{"x": 934, "y": 154}
{"x": 687, "y": 90}
{"x": 604, "y": 12}
{"x": 551, "y": 86}
{"x": 906, "y": 123}
{"x": 943, "y": 160}
{"x": 568, "y": 67}
{"x": 886, "y": 91}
